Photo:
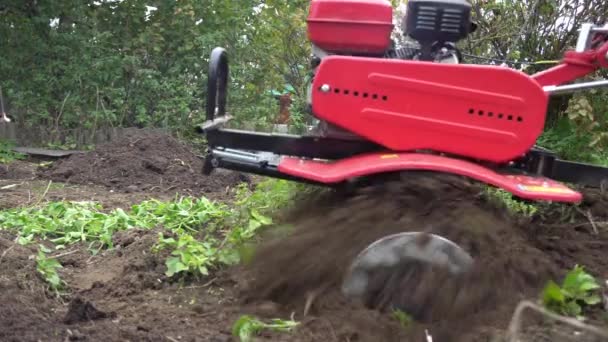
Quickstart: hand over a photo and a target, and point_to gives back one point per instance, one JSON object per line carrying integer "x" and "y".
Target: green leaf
{"x": 245, "y": 328}
{"x": 203, "y": 270}
{"x": 552, "y": 293}
{"x": 589, "y": 285}
{"x": 573, "y": 309}
{"x": 593, "y": 300}
{"x": 174, "y": 266}
{"x": 264, "y": 220}
{"x": 253, "y": 225}
{"x": 229, "y": 257}
{"x": 44, "y": 249}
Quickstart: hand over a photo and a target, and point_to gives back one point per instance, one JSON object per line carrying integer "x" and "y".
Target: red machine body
{"x": 387, "y": 111}
{"x": 351, "y": 26}
{"x": 483, "y": 112}
{"x": 383, "y": 110}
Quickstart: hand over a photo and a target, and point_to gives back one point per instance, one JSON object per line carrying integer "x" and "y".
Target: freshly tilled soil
{"x": 510, "y": 263}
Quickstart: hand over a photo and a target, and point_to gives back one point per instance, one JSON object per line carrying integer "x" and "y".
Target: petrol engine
{"x": 364, "y": 28}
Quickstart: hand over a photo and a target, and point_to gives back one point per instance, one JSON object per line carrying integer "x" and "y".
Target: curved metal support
{"x": 217, "y": 84}
{"x": 363, "y": 165}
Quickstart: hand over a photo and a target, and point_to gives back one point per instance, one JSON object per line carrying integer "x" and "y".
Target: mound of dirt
{"x": 143, "y": 160}
{"x": 330, "y": 231}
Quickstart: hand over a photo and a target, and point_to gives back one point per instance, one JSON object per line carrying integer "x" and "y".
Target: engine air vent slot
{"x": 355, "y": 93}
{"x": 488, "y": 114}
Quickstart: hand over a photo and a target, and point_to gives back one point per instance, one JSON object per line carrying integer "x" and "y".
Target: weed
{"x": 193, "y": 251}
{"x": 269, "y": 196}
{"x": 68, "y": 222}
{"x": 512, "y": 204}
{"x": 246, "y": 327}
{"x": 242, "y": 223}
{"x": 403, "y": 318}
{"x": 47, "y": 268}
{"x": 189, "y": 255}
{"x": 578, "y": 289}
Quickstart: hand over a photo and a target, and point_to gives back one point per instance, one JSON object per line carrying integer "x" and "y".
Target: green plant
{"x": 69, "y": 222}
{"x": 268, "y": 196}
{"x": 188, "y": 254}
{"x": 193, "y": 251}
{"x": 515, "y": 206}
{"x": 47, "y": 268}
{"x": 183, "y": 214}
{"x": 402, "y": 317}
{"x": 246, "y": 327}
{"x": 578, "y": 289}
{"x": 7, "y": 155}
{"x": 240, "y": 224}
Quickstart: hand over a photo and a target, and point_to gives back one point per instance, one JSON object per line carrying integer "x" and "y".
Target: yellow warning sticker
{"x": 538, "y": 188}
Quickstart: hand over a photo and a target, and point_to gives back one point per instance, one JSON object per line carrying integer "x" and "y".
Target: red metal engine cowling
{"x": 351, "y": 26}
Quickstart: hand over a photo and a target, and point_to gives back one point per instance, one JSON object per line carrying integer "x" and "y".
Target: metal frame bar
{"x": 585, "y": 35}
{"x": 291, "y": 145}
{"x": 571, "y": 88}
{"x": 247, "y": 153}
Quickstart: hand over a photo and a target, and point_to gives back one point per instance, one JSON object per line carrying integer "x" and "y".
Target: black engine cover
{"x": 431, "y": 21}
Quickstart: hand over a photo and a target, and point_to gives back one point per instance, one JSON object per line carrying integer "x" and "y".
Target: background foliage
{"x": 85, "y": 63}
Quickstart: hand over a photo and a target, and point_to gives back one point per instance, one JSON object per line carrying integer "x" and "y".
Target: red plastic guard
{"x": 483, "y": 112}
{"x": 532, "y": 188}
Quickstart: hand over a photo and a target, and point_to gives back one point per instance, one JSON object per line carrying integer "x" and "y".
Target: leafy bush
{"x": 578, "y": 290}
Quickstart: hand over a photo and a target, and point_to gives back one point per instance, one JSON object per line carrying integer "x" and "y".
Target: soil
{"x": 25, "y": 192}
{"x": 18, "y": 170}
{"x": 124, "y": 295}
{"x": 143, "y": 161}
{"x": 315, "y": 257}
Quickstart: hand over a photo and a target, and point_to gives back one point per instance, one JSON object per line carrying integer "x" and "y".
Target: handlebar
{"x": 217, "y": 84}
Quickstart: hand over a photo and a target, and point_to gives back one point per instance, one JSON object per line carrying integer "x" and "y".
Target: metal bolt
{"x": 325, "y": 88}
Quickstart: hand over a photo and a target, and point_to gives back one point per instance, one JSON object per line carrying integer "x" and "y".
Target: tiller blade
{"x": 400, "y": 252}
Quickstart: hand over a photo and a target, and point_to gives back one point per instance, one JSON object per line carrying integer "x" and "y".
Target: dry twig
{"x": 44, "y": 194}
{"x": 590, "y": 218}
{"x": 514, "y": 330}
{"x": 5, "y": 252}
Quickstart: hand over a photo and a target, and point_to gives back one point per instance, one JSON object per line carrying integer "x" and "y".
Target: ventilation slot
{"x": 357, "y": 93}
{"x": 501, "y": 116}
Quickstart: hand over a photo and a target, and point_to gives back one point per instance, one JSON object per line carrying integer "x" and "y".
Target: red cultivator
{"x": 384, "y": 110}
